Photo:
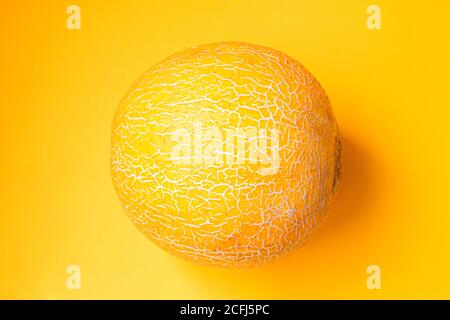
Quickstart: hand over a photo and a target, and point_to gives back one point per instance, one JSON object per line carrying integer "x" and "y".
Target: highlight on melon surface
{"x": 226, "y": 154}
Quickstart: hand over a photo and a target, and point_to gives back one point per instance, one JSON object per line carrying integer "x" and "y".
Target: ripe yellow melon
{"x": 226, "y": 154}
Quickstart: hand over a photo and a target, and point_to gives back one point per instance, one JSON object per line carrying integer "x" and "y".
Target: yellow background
{"x": 59, "y": 89}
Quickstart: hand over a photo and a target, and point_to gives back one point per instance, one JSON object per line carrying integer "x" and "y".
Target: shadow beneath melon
{"x": 318, "y": 261}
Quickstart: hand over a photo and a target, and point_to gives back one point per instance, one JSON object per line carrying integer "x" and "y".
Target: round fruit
{"x": 226, "y": 154}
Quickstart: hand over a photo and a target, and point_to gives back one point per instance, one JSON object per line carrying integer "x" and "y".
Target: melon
{"x": 226, "y": 154}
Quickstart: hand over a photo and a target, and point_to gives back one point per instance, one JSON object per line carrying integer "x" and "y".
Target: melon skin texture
{"x": 215, "y": 204}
